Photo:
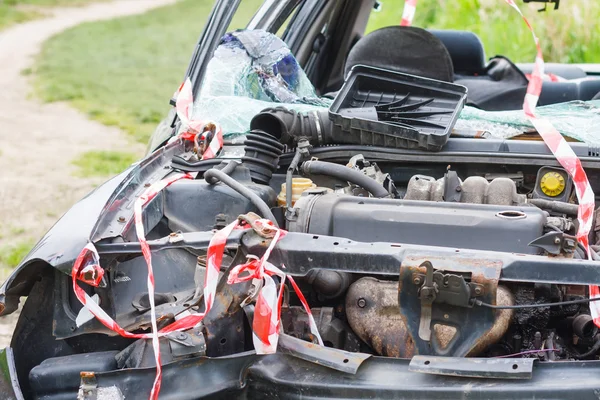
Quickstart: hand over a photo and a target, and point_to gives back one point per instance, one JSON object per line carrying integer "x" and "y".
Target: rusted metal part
{"x": 340, "y": 360}
{"x": 262, "y": 230}
{"x": 374, "y": 315}
{"x": 334, "y": 332}
{"x": 471, "y": 324}
{"x": 503, "y": 320}
{"x": 88, "y": 388}
{"x": 492, "y": 368}
{"x": 224, "y": 323}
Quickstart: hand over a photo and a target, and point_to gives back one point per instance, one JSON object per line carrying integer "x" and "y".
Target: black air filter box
{"x": 379, "y": 107}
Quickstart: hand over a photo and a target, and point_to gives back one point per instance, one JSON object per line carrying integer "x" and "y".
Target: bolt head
{"x": 362, "y": 302}
{"x": 478, "y": 291}
{"x": 181, "y": 336}
{"x": 417, "y": 280}
{"x": 121, "y": 219}
{"x": 556, "y": 240}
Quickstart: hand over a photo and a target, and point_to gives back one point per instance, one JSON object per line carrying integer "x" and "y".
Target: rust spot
{"x": 87, "y": 375}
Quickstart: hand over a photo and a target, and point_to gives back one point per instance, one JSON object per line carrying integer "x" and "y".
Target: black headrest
{"x": 466, "y": 50}
{"x": 403, "y": 49}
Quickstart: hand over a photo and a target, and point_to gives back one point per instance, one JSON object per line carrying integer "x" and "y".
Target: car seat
{"x": 404, "y": 49}
{"x": 501, "y": 85}
{"x": 459, "y": 56}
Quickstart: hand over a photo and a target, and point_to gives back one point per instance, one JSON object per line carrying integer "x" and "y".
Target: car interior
{"x": 493, "y": 83}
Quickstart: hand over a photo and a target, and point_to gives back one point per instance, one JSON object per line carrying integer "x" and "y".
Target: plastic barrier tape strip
{"x": 555, "y": 141}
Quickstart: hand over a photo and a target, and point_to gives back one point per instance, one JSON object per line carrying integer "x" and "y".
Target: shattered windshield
{"x": 254, "y": 70}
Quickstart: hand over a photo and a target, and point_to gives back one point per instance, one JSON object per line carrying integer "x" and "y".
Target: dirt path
{"x": 38, "y": 141}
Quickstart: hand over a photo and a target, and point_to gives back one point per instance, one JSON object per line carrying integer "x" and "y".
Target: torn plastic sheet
{"x": 575, "y": 119}
{"x": 259, "y": 65}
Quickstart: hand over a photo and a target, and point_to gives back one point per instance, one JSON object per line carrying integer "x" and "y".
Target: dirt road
{"x": 39, "y": 141}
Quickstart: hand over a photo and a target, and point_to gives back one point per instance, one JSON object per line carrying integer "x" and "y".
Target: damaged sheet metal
{"x": 496, "y": 368}
{"x": 340, "y": 360}
{"x": 431, "y": 298}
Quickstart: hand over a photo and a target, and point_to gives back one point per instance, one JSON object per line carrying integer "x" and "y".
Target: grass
{"x": 11, "y": 256}
{"x": 123, "y": 72}
{"x": 103, "y": 163}
{"x": 18, "y": 11}
{"x": 10, "y": 15}
{"x": 568, "y": 35}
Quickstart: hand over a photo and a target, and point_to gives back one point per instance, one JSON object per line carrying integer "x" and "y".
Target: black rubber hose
{"x": 345, "y": 174}
{"x": 227, "y": 169}
{"x": 214, "y": 175}
{"x": 289, "y": 179}
{"x": 556, "y": 206}
{"x": 288, "y": 126}
{"x": 594, "y": 349}
{"x": 584, "y": 327}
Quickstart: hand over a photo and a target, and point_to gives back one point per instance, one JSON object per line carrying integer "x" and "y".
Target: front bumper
{"x": 279, "y": 376}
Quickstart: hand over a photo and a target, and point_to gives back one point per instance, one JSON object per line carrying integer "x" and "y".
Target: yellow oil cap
{"x": 552, "y": 184}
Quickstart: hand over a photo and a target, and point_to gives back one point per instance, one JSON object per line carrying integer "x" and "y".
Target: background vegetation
{"x": 123, "y": 72}
{"x": 568, "y": 35}
{"x": 16, "y": 11}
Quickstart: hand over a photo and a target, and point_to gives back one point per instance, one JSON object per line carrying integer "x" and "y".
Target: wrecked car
{"x": 327, "y": 214}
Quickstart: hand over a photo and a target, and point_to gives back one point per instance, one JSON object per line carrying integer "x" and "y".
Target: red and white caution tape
{"x": 267, "y": 311}
{"x": 87, "y": 269}
{"x": 564, "y": 154}
{"x": 549, "y": 77}
{"x": 555, "y": 141}
{"x": 208, "y": 132}
{"x": 144, "y": 199}
{"x": 410, "y": 6}
{"x": 267, "y": 314}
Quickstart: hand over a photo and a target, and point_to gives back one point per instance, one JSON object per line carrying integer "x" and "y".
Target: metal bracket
{"x": 436, "y": 304}
{"x": 187, "y": 343}
{"x": 492, "y": 368}
{"x": 556, "y": 243}
{"x": 340, "y": 360}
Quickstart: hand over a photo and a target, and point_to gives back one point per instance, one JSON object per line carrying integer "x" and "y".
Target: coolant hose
{"x": 346, "y": 174}
{"x": 227, "y": 169}
{"x": 213, "y": 176}
{"x": 593, "y": 350}
{"x": 556, "y": 206}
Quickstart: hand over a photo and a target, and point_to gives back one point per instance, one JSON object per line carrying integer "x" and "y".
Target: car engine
{"x": 368, "y": 236}
{"x": 394, "y": 260}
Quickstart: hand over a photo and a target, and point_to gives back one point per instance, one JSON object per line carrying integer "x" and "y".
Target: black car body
{"x": 365, "y": 262}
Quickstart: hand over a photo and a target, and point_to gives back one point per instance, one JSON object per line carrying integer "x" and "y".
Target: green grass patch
{"x": 18, "y": 11}
{"x": 568, "y": 35}
{"x": 10, "y": 15}
{"x": 103, "y": 163}
{"x": 12, "y": 255}
{"x": 123, "y": 72}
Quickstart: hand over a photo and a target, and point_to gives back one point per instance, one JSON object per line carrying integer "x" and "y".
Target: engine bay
{"x": 376, "y": 234}
{"x": 342, "y": 246}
